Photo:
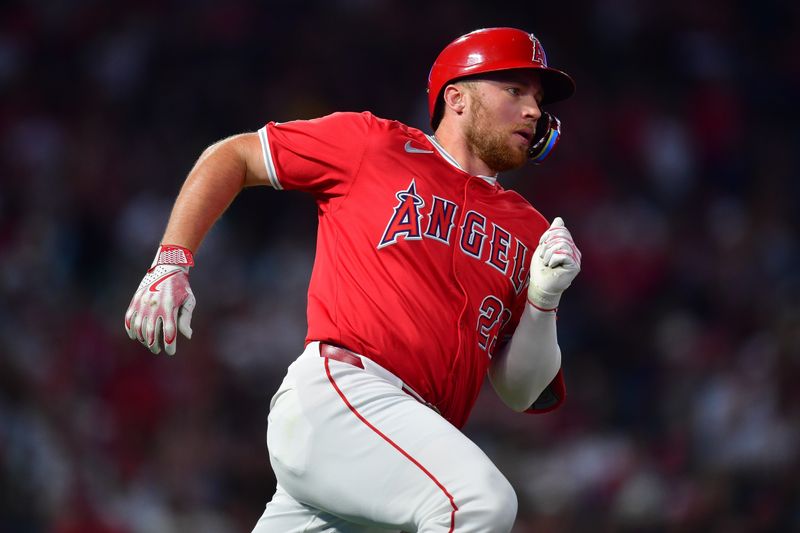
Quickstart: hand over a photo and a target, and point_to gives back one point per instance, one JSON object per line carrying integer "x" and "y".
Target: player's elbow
{"x": 519, "y": 390}
{"x": 527, "y": 397}
{"x": 519, "y": 405}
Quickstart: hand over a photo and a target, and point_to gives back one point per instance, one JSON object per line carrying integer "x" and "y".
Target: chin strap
{"x": 545, "y": 138}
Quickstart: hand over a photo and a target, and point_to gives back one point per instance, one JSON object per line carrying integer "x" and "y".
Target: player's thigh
{"x": 349, "y": 443}
{"x": 284, "y": 514}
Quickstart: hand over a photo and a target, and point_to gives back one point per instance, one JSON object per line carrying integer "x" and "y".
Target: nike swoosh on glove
{"x": 555, "y": 264}
{"x": 163, "y": 303}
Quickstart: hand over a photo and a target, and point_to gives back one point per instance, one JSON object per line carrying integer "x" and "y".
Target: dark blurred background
{"x": 677, "y": 173}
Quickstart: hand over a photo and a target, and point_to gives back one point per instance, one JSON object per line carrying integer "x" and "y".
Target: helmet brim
{"x": 556, "y": 85}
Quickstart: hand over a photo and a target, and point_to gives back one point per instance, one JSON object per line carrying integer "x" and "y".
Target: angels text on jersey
{"x": 414, "y": 219}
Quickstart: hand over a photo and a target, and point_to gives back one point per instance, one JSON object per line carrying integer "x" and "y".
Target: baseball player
{"x": 428, "y": 275}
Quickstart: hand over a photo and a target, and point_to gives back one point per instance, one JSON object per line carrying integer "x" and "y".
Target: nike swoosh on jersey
{"x": 154, "y": 286}
{"x": 411, "y": 150}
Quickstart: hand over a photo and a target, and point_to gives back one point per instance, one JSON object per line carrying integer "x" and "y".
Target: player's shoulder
{"x": 530, "y": 218}
{"x": 372, "y": 122}
{"x": 366, "y": 118}
{"x": 380, "y": 123}
{"x": 340, "y": 124}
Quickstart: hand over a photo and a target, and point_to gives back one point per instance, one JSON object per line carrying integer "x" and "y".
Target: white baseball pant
{"x": 353, "y": 453}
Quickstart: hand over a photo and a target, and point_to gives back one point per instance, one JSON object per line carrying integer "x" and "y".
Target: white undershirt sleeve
{"x": 528, "y": 362}
{"x": 268, "y": 162}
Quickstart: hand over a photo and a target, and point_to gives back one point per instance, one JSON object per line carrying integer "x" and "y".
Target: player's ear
{"x": 455, "y": 97}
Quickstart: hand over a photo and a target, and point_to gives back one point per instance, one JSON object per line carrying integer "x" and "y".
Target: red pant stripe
{"x": 395, "y": 446}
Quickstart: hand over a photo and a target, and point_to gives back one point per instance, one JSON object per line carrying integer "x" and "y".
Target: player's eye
{"x": 514, "y": 90}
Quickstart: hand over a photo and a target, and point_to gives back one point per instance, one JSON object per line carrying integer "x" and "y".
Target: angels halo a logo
{"x": 537, "y": 54}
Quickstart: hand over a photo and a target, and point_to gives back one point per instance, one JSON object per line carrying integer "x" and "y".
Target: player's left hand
{"x": 555, "y": 264}
{"x": 163, "y": 303}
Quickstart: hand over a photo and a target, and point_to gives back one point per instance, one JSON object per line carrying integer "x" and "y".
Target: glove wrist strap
{"x": 544, "y": 301}
{"x": 542, "y": 309}
{"x": 172, "y": 254}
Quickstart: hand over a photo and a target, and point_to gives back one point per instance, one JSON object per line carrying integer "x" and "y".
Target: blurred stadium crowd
{"x": 678, "y": 174}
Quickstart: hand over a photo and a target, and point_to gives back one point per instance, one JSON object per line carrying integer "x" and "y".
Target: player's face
{"x": 503, "y": 111}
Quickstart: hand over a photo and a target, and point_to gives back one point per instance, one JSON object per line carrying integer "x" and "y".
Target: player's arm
{"x": 220, "y": 173}
{"x": 163, "y": 303}
{"x": 527, "y": 364}
{"x": 523, "y": 368}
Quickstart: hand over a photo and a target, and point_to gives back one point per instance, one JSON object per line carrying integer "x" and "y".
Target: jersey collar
{"x": 492, "y": 180}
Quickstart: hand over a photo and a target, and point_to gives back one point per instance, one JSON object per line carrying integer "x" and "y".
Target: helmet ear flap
{"x": 545, "y": 138}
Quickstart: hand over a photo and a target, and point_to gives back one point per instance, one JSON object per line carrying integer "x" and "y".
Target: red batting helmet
{"x": 490, "y": 50}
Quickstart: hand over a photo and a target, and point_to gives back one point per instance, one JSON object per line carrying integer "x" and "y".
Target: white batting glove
{"x": 555, "y": 264}
{"x": 163, "y": 303}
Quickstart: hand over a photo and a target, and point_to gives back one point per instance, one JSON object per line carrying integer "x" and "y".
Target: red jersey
{"x": 420, "y": 266}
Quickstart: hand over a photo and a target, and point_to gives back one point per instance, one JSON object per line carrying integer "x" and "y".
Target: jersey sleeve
{"x": 321, "y": 156}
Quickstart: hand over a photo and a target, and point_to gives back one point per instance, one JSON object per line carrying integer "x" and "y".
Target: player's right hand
{"x": 163, "y": 303}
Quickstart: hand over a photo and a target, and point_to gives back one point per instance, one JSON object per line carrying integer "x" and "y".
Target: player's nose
{"x": 531, "y": 110}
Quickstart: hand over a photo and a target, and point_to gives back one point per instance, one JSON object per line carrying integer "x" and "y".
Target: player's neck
{"x": 454, "y": 143}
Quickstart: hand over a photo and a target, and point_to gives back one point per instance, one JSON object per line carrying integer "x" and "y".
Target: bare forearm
{"x": 216, "y": 179}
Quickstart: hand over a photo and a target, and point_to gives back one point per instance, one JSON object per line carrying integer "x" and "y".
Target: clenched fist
{"x": 555, "y": 264}
{"x": 163, "y": 303}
